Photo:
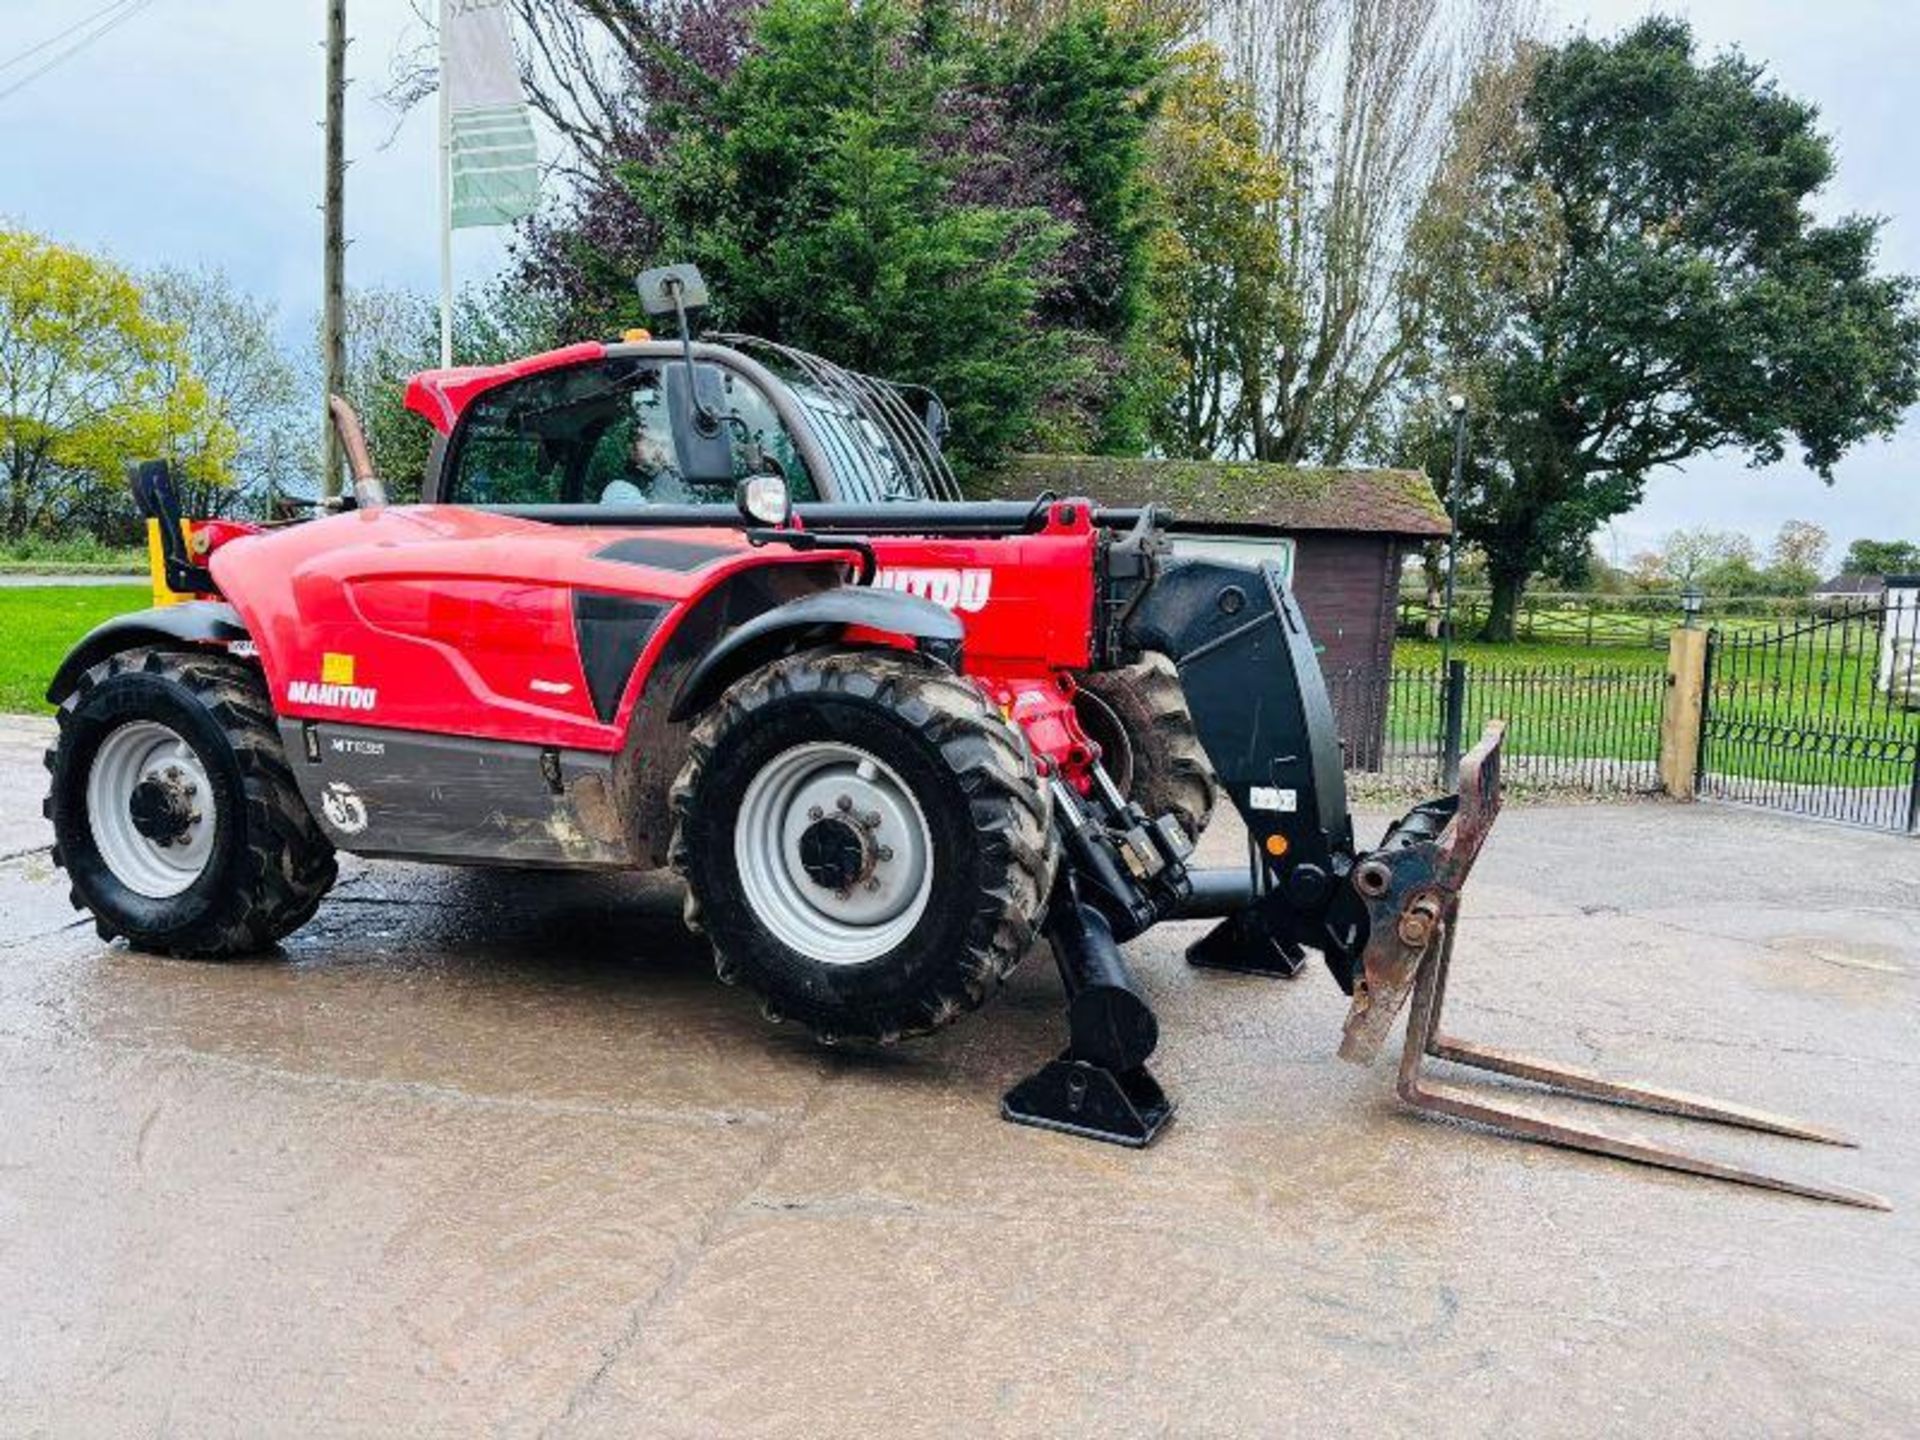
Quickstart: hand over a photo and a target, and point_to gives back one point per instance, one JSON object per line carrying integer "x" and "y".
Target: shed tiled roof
{"x": 1852, "y": 583}
{"x": 1285, "y": 497}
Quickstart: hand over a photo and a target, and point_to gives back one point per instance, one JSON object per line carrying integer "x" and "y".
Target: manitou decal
{"x": 335, "y": 688}
{"x": 953, "y": 589}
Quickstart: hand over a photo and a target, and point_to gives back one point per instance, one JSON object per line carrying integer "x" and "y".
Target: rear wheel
{"x": 1138, "y": 717}
{"x": 864, "y": 841}
{"x": 174, "y": 810}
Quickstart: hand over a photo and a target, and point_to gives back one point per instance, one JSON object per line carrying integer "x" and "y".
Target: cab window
{"x": 602, "y": 434}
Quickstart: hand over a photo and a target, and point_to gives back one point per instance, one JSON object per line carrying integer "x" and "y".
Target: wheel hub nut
{"x": 835, "y": 855}
{"x": 162, "y": 809}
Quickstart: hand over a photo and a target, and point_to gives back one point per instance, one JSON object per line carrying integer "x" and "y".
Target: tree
{"x": 393, "y": 334}
{"x": 997, "y": 173}
{"x": 1690, "y": 557}
{"x": 1226, "y": 297}
{"x": 1800, "y": 545}
{"x": 1355, "y": 98}
{"x": 1797, "y": 558}
{"x": 1082, "y": 94}
{"x": 810, "y": 191}
{"x": 254, "y": 397}
{"x": 1641, "y": 282}
{"x": 1882, "y": 557}
{"x": 89, "y": 380}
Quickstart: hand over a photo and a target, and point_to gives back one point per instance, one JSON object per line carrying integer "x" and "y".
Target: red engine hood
{"x": 459, "y": 621}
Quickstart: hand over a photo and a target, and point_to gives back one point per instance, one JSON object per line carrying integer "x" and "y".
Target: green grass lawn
{"x": 81, "y": 555}
{"x": 38, "y": 625}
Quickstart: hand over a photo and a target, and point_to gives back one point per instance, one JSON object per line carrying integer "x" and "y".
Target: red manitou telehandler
{"x": 718, "y": 605}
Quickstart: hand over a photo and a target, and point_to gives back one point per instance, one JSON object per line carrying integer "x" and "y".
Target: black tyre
{"x": 1138, "y": 716}
{"x": 174, "y": 811}
{"x": 864, "y": 841}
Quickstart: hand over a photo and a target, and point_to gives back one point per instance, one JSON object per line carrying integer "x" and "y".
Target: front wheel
{"x": 174, "y": 810}
{"x": 1139, "y": 718}
{"x": 864, "y": 841}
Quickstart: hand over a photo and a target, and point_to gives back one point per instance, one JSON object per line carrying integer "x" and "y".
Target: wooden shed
{"x": 1339, "y": 535}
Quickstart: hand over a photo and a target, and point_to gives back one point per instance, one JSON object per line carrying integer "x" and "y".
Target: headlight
{"x": 764, "y": 499}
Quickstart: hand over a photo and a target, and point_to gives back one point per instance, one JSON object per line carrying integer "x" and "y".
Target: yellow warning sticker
{"x": 336, "y": 669}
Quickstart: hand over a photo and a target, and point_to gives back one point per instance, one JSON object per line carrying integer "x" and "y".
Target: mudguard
{"x": 192, "y": 622}
{"x": 933, "y": 627}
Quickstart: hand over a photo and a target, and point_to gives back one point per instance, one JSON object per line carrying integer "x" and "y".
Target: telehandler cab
{"x": 719, "y": 605}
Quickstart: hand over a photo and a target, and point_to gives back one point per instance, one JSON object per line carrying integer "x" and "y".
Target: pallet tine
{"x": 1439, "y": 1097}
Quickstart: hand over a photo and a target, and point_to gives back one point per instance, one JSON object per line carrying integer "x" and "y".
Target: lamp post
{"x": 1691, "y": 601}
{"x": 1457, "y": 403}
{"x": 1452, "y": 686}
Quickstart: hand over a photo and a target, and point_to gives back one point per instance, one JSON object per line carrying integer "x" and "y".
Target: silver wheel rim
{"x": 824, "y": 782}
{"x": 147, "y": 753}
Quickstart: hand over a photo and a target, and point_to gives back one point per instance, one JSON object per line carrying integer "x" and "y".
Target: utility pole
{"x": 333, "y": 338}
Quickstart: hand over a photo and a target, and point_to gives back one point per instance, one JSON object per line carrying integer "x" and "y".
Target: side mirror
{"x": 702, "y": 444}
{"x": 672, "y": 290}
{"x": 935, "y": 419}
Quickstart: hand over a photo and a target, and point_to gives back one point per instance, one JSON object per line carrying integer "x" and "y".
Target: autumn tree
{"x": 90, "y": 380}
{"x": 1225, "y": 295}
{"x": 1798, "y": 556}
{"x": 1642, "y": 282}
{"x": 1355, "y": 99}
{"x": 255, "y": 405}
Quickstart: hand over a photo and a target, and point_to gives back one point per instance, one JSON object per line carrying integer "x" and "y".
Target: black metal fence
{"x": 1588, "y": 729}
{"x": 1821, "y": 717}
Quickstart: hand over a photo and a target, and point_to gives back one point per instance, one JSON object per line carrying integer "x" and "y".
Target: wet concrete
{"x": 488, "y": 1152}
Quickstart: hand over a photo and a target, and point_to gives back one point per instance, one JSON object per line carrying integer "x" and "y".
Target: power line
{"x": 56, "y": 38}
{"x": 126, "y": 13}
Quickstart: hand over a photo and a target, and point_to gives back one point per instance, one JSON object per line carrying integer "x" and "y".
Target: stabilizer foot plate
{"x": 1080, "y": 1098}
{"x": 1241, "y": 947}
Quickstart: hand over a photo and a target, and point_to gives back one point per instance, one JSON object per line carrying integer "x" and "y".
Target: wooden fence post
{"x": 1681, "y": 716}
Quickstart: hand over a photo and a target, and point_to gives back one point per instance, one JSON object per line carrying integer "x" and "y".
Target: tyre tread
{"x": 289, "y": 864}
{"x": 988, "y": 757}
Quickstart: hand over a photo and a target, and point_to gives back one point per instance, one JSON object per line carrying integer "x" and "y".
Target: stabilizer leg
{"x": 1099, "y": 1087}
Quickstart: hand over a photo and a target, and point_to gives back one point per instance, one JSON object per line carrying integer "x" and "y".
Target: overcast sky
{"x": 189, "y": 134}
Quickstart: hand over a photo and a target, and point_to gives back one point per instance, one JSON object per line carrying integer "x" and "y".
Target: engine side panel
{"x": 429, "y": 797}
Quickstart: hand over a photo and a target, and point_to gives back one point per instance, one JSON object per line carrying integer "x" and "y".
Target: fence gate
{"x": 1819, "y": 717}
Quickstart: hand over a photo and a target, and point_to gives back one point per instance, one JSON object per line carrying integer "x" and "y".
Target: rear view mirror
{"x": 702, "y": 442}
{"x": 671, "y": 290}
{"x": 936, "y": 422}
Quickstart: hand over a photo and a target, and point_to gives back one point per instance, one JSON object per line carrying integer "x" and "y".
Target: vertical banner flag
{"x": 494, "y": 166}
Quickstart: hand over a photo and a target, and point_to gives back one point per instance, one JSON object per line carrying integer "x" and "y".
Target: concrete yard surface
{"x": 494, "y": 1153}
